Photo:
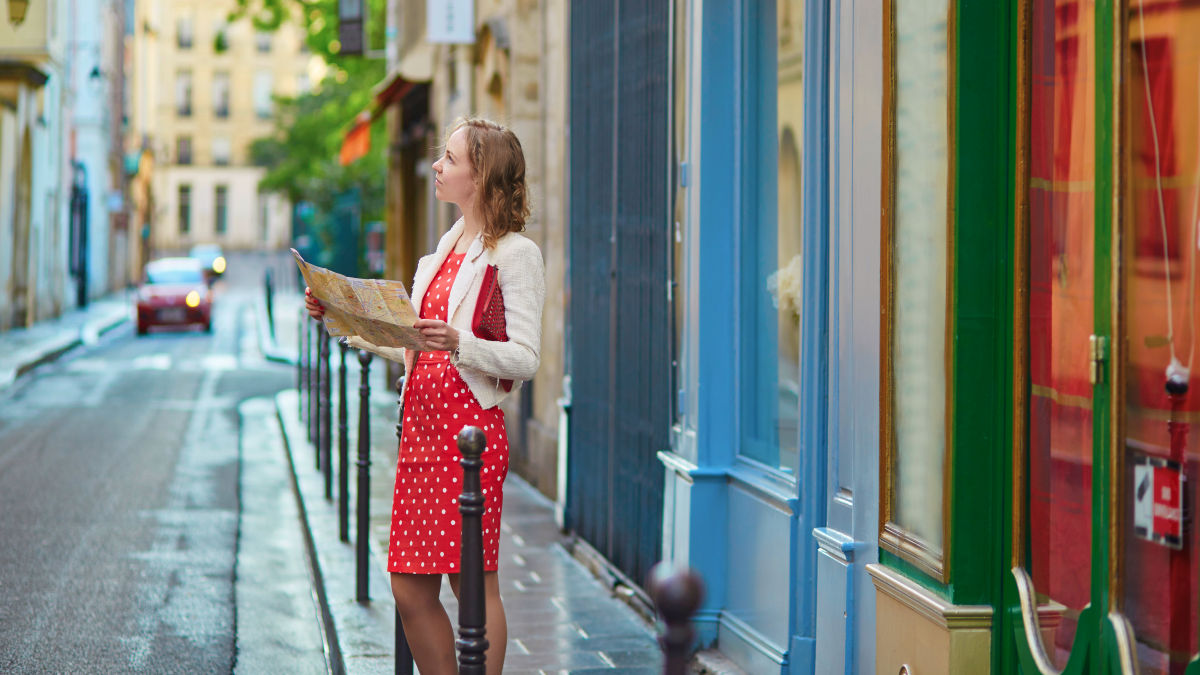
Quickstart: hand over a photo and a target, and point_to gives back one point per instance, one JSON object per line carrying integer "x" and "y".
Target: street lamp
{"x": 16, "y": 11}
{"x": 350, "y": 27}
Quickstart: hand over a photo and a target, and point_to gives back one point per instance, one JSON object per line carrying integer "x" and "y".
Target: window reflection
{"x": 787, "y": 282}
{"x": 1061, "y": 253}
{"x": 773, "y": 268}
{"x": 919, "y": 282}
{"x": 679, "y": 205}
{"x": 1161, "y": 556}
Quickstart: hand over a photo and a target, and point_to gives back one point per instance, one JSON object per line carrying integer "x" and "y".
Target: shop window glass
{"x": 1061, "y": 288}
{"x": 773, "y": 267}
{"x": 918, "y": 241}
{"x": 679, "y": 206}
{"x": 1161, "y": 553}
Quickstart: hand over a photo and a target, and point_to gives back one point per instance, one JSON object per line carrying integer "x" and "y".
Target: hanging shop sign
{"x": 1158, "y": 500}
{"x": 450, "y": 21}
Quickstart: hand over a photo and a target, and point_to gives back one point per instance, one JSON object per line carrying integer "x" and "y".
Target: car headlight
{"x": 218, "y": 265}
{"x": 192, "y": 299}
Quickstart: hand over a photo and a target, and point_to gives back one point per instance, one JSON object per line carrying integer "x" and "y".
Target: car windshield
{"x": 174, "y": 275}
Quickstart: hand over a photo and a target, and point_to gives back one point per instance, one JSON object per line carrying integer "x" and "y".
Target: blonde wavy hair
{"x": 498, "y": 166}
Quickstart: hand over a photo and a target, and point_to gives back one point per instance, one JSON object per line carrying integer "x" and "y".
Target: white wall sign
{"x": 450, "y": 21}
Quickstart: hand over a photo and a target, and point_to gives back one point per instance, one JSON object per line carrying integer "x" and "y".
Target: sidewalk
{"x": 22, "y": 349}
{"x": 560, "y": 617}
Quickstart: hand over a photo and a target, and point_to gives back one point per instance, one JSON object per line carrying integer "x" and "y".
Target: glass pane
{"x": 774, "y": 268}
{"x": 679, "y": 205}
{"x": 1061, "y": 255}
{"x": 920, "y": 241}
{"x": 1162, "y": 192}
{"x": 787, "y": 283}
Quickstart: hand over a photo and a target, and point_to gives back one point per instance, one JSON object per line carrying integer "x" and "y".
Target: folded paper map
{"x": 377, "y": 310}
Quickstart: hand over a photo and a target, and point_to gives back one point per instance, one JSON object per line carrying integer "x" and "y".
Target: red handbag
{"x": 488, "y": 322}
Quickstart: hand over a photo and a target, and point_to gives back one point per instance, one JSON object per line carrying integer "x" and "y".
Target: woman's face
{"x": 452, "y": 172}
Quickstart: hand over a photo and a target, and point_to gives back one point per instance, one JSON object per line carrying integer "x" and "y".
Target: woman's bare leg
{"x": 426, "y": 625}
{"x": 497, "y": 623}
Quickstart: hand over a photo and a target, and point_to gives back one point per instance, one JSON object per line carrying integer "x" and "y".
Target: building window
{"x": 263, "y": 106}
{"x": 684, "y": 400}
{"x": 221, "y": 151}
{"x": 221, "y": 94}
{"x": 772, "y": 269}
{"x": 183, "y": 93}
{"x": 183, "y": 150}
{"x": 221, "y": 224}
{"x": 915, "y": 399}
{"x": 1060, "y": 315}
{"x": 184, "y": 32}
{"x": 185, "y": 209}
{"x": 262, "y": 41}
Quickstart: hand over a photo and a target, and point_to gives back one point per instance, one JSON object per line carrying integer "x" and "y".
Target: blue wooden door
{"x": 619, "y": 316}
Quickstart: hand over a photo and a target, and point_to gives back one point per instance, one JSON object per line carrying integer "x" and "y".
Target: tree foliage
{"x": 301, "y": 155}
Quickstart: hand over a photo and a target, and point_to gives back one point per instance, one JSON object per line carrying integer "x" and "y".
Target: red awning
{"x": 358, "y": 140}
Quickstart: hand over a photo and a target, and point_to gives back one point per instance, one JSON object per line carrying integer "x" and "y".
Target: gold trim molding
{"x": 927, "y": 603}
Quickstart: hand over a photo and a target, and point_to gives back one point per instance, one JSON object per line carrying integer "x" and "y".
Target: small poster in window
{"x": 1158, "y": 500}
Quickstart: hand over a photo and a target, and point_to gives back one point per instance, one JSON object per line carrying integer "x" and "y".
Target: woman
{"x": 458, "y": 379}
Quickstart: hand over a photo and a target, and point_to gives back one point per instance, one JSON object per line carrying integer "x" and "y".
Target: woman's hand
{"x": 315, "y": 309}
{"x": 437, "y": 335}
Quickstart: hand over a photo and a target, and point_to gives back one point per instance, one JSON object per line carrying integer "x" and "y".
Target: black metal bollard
{"x": 364, "y": 476}
{"x": 270, "y": 289}
{"x": 314, "y": 376}
{"x": 677, "y": 593}
{"x": 301, "y": 364}
{"x": 343, "y": 450}
{"x": 325, "y": 425}
{"x": 404, "y": 658}
{"x": 472, "y": 640}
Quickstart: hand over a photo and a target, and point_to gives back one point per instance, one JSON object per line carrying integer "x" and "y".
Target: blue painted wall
{"x": 744, "y": 527}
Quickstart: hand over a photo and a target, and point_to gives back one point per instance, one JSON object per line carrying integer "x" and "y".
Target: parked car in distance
{"x": 173, "y": 292}
{"x": 211, "y": 258}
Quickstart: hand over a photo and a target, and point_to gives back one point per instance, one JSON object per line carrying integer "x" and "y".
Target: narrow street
{"x": 119, "y": 487}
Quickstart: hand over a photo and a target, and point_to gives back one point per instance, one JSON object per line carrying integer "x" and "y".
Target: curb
{"x": 64, "y": 342}
{"x": 360, "y": 637}
{"x": 266, "y": 342}
{"x": 328, "y": 628}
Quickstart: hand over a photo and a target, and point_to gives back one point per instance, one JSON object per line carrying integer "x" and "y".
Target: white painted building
{"x": 33, "y": 236}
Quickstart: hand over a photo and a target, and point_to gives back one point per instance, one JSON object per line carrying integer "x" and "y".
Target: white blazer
{"x": 483, "y": 363}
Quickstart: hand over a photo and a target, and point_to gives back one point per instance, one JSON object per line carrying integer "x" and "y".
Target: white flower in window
{"x": 785, "y": 286}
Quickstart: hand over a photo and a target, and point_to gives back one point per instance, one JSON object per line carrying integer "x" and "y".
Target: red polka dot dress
{"x": 426, "y": 525}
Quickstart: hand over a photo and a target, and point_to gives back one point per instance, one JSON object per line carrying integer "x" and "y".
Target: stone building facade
{"x": 203, "y": 92}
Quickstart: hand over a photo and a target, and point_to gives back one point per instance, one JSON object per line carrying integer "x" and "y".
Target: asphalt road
{"x": 119, "y": 475}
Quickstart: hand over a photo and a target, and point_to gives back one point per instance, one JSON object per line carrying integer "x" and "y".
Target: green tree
{"x": 301, "y": 154}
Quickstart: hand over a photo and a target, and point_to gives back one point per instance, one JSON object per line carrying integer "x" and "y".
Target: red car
{"x": 174, "y": 292}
